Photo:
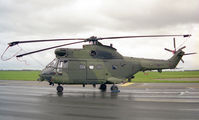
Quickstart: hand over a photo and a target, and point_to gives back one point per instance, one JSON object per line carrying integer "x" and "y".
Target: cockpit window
{"x": 65, "y": 64}
{"x": 60, "y": 67}
{"x": 53, "y": 63}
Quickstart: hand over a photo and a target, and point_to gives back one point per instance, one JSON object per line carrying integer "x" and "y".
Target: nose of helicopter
{"x": 46, "y": 74}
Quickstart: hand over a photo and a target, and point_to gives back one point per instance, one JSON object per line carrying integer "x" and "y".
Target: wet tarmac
{"x": 23, "y": 100}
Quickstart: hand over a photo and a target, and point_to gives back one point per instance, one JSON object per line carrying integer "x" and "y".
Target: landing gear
{"x": 51, "y": 83}
{"x": 114, "y": 88}
{"x": 129, "y": 79}
{"x": 60, "y": 88}
{"x": 102, "y": 87}
{"x": 94, "y": 85}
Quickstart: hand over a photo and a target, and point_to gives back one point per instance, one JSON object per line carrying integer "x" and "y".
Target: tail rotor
{"x": 174, "y": 51}
{"x": 174, "y": 45}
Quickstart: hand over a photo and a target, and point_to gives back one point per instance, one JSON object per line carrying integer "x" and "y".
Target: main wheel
{"x": 60, "y": 88}
{"x": 94, "y": 85}
{"x": 114, "y": 88}
{"x": 102, "y": 87}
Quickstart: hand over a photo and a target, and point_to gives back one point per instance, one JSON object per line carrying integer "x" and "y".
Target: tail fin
{"x": 175, "y": 59}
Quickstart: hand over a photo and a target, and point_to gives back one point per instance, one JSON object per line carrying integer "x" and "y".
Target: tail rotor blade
{"x": 174, "y": 43}
{"x": 182, "y": 47}
{"x": 168, "y": 50}
{"x": 182, "y": 60}
{"x": 190, "y": 53}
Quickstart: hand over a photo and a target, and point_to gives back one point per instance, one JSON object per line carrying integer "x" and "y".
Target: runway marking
{"x": 182, "y": 93}
{"x": 126, "y": 84}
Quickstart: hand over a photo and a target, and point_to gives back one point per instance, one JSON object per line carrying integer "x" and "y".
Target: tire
{"x": 103, "y": 87}
{"x": 94, "y": 85}
{"x": 114, "y": 87}
{"x": 60, "y": 88}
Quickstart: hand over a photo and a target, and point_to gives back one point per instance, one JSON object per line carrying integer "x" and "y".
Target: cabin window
{"x": 59, "y": 67}
{"x": 114, "y": 67}
{"x": 91, "y": 67}
{"x": 82, "y": 67}
{"x": 93, "y": 53}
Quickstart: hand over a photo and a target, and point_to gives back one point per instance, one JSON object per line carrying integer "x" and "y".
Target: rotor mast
{"x": 93, "y": 40}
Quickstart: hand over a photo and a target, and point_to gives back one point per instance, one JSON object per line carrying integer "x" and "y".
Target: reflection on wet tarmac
{"x": 60, "y": 94}
{"x": 24, "y": 101}
{"x": 92, "y": 94}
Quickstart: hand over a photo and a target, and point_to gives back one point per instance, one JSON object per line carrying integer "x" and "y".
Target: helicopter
{"x": 96, "y": 63}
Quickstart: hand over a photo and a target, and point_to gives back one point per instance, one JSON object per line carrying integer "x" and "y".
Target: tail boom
{"x": 157, "y": 64}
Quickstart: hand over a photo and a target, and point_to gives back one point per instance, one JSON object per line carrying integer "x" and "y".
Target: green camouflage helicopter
{"x": 99, "y": 64}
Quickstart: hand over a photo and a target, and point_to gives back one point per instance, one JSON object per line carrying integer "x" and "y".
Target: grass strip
{"x": 140, "y": 77}
{"x": 154, "y": 77}
{"x": 19, "y": 75}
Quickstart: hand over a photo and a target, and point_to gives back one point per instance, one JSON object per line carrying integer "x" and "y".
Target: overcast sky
{"x": 47, "y": 19}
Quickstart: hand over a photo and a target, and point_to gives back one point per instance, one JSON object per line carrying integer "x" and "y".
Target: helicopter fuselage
{"x": 99, "y": 64}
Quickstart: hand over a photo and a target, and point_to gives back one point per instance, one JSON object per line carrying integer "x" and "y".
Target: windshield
{"x": 53, "y": 63}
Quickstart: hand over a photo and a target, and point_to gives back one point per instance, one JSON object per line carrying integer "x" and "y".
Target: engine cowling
{"x": 61, "y": 52}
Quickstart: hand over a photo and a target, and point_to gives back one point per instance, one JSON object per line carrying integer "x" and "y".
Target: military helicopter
{"x": 100, "y": 64}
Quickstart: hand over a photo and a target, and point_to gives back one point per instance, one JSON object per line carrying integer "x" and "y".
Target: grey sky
{"x": 36, "y": 19}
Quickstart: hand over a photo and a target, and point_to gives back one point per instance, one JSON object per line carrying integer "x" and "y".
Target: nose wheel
{"x": 60, "y": 88}
{"x": 102, "y": 87}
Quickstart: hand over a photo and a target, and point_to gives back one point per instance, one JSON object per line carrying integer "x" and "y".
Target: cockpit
{"x": 50, "y": 69}
{"x": 53, "y": 63}
{"x": 53, "y": 68}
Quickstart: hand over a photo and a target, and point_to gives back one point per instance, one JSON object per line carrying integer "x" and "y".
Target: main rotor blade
{"x": 143, "y": 36}
{"x": 48, "y": 48}
{"x": 47, "y": 40}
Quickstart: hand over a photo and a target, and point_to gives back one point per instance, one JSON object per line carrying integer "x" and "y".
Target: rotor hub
{"x": 93, "y": 40}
